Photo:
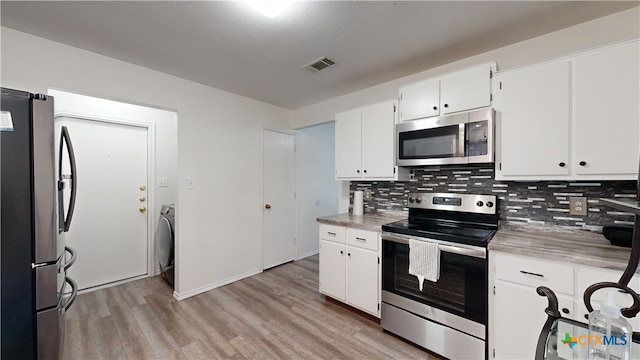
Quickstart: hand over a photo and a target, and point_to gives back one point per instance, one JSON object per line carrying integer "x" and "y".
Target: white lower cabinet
{"x": 516, "y": 311}
{"x": 349, "y": 266}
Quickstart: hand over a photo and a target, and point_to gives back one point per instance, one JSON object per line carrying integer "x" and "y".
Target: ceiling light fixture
{"x": 269, "y": 8}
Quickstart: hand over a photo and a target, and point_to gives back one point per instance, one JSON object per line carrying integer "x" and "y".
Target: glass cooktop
{"x": 442, "y": 231}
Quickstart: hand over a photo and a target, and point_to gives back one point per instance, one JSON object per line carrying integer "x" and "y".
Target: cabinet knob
{"x": 435, "y": 108}
{"x": 358, "y": 171}
{"x": 583, "y": 163}
{"x": 348, "y": 254}
{"x": 565, "y": 310}
{"x": 341, "y": 252}
{"x": 365, "y": 171}
{"x": 446, "y": 105}
{"x": 562, "y": 164}
{"x": 586, "y": 316}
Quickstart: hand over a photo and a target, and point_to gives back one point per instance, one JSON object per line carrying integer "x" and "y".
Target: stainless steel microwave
{"x": 464, "y": 138}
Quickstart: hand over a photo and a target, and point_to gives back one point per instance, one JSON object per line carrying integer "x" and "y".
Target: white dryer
{"x": 165, "y": 242}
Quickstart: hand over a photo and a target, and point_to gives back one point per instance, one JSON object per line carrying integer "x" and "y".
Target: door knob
{"x": 267, "y": 206}
{"x": 142, "y": 209}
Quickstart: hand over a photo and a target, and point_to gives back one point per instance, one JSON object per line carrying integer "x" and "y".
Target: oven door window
{"x": 461, "y": 288}
{"x": 440, "y": 142}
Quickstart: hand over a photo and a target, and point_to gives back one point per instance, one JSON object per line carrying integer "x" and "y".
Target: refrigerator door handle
{"x": 65, "y": 138}
{"x": 71, "y": 261}
{"x": 74, "y": 292}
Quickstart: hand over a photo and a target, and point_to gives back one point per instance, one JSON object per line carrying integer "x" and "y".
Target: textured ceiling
{"x": 228, "y": 45}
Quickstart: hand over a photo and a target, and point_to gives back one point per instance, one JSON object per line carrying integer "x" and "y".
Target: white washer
{"x": 165, "y": 242}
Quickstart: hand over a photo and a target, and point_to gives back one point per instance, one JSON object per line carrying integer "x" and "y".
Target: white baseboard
{"x": 200, "y": 290}
{"x": 314, "y": 252}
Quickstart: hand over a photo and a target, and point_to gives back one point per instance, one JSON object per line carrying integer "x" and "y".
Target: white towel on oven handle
{"x": 424, "y": 260}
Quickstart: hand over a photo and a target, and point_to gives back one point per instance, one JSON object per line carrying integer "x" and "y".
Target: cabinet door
{"x": 517, "y": 319}
{"x": 419, "y": 100}
{"x": 378, "y": 130}
{"x": 466, "y": 89}
{"x": 606, "y": 111}
{"x": 332, "y": 269}
{"x": 348, "y": 144}
{"x": 533, "y": 106}
{"x": 362, "y": 279}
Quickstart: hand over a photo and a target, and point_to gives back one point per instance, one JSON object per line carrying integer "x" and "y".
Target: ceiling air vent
{"x": 317, "y": 65}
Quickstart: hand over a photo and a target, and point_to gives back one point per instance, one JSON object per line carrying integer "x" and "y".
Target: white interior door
{"x": 109, "y": 227}
{"x": 279, "y": 198}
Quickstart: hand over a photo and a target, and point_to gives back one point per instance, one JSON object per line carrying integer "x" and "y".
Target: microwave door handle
{"x": 65, "y": 138}
{"x": 461, "y": 138}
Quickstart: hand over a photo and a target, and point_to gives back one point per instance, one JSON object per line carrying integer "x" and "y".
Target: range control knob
{"x": 479, "y": 203}
{"x": 418, "y": 200}
{"x": 489, "y": 204}
{"x": 411, "y": 200}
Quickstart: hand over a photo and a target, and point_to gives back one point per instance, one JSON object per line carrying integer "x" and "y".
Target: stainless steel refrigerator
{"x": 34, "y": 259}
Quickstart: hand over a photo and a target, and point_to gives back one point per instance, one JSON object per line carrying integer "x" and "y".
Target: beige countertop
{"x": 581, "y": 250}
{"x": 547, "y": 242}
{"x": 368, "y": 221}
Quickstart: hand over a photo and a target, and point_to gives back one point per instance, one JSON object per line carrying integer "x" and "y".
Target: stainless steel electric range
{"x": 447, "y": 316}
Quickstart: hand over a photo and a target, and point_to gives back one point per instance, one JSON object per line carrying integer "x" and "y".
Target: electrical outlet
{"x": 367, "y": 194}
{"x": 578, "y": 205}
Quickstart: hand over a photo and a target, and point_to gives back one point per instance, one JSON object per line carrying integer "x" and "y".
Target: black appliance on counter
{"x": 447, "y": 316}
{"x": 33, "y": 263}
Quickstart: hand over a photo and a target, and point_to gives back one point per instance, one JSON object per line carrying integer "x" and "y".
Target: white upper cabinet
{"x": 348, "y": 144}
{"x": 420, "y": 100}
{"x": 571, "y": 119}
{"x": 365, "y": 145}
{"x": 606, "y": 111}
{"x": 532, "y": 113}
{"x": 463, "y": 90}
{"x": 467, "y": 89}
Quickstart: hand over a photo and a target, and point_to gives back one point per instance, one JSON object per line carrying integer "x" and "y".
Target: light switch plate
{"x": 191, "y": 184}
{"x": 578, "y": 205}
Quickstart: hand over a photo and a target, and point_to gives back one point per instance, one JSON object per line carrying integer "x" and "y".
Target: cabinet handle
{"x": 435, "y": 108}
{"x": 446, "y": 105}
{"x": 358, "y": 171}
{"x": 361, "y": 239}
{"x": 565, "y": 310}
{"x": 341, "y": 252}
{"x": 332, "y": 233}
{"x": 586, "y": 316}
{"x": 562, "y": 164}
{"x": 348, "y": 254}
{"x": 530, "y": 273}
{"x": 583, "y": 163}
{"x": 365, "y": 171}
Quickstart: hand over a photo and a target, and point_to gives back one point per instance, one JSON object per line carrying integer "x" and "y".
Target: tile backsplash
{"x": 540, "y": 202}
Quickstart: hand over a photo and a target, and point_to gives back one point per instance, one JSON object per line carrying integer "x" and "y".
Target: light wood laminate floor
{"x": 278, "y": 314}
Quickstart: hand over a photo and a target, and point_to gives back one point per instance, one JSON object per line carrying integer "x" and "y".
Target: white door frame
{"x": 261, "y": 205}
{"x": 151, "y": 181}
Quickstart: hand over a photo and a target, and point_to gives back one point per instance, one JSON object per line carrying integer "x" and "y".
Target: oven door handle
{"x": 453, "y": 248}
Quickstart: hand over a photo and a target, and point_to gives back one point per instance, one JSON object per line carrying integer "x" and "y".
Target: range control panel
{"x": 482, "y": 204}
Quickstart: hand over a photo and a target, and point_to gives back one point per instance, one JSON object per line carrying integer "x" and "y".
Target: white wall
{"x": 317, "y": 187}
{"x": 609, "y": 29}
{"x": 218, "y": 145}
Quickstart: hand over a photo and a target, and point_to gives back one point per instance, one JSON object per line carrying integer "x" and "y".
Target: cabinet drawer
{"x": 534, "y": 272}
{"x": 363, "y": 239}
{"x": 332, "y": 233}
{"x": 587, "y": 276}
